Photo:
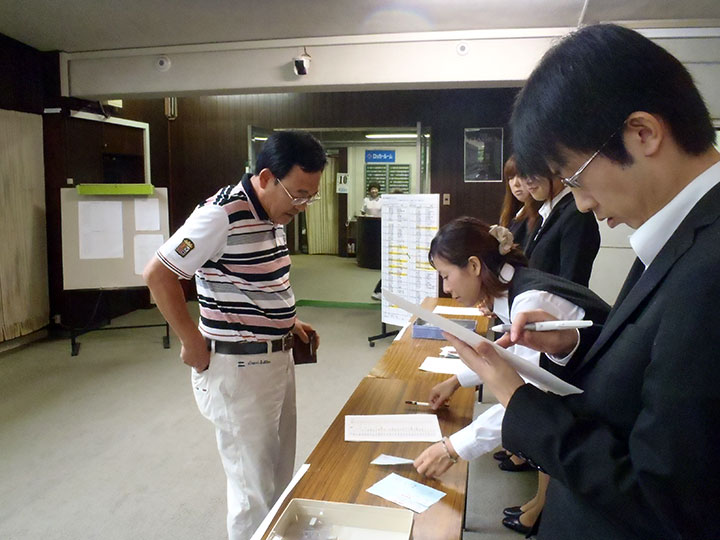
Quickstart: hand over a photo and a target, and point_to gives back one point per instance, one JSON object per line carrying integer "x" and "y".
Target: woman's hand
{"x": 495, "y": 372}
{"x": 441, "y": 392}
{"x": 434, "y": 461}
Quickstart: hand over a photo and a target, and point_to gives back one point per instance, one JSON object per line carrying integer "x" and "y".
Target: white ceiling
{"x": 94, "y": 25}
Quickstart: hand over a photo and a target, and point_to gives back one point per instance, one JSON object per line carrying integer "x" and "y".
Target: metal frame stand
{"x": 383, "y": 334}
{"x": 74, "y": 334}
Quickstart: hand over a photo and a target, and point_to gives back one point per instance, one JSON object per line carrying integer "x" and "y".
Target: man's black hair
{"x": 284, "y": 149}
{"x": 587, "y": 85}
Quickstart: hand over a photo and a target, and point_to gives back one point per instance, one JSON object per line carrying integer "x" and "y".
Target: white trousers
{"x": 251, "y": 401}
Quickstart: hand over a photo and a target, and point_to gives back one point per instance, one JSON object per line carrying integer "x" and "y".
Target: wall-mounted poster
{"x": 483, "y": 154}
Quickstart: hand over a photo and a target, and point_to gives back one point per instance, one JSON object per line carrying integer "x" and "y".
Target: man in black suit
{"x": 635, "y": 455}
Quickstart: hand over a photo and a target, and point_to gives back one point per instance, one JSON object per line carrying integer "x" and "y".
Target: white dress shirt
{"x": 652, "y": 235}
{"x": 484, "y": 433}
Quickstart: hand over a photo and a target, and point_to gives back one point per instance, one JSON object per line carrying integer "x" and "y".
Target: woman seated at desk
{"x": 481, "y": 264}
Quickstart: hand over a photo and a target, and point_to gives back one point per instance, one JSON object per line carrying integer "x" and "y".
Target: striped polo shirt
{"x": 241, "y": 265}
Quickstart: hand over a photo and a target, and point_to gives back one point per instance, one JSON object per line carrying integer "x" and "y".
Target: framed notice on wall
{"x": 483, "y": 154}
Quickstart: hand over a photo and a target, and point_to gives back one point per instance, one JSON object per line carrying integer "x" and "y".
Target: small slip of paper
{"x": 405, "y": 492}
{"x": 384, "y": 459}
{"x": 449, "y": 352}
{"x": 453, "y": 310}
{"x": 451, "y": 366}
{"x": 392, "y": 428}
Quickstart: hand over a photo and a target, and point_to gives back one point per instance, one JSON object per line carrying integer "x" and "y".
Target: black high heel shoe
{"x": 514, "y": 523}
{"x": 501, "y": 455}
{"x": 512, "y": 511}
{"x": 508, "y": 465}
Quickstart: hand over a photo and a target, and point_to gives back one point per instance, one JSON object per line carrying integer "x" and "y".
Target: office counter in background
{"x": 368, "y": 241}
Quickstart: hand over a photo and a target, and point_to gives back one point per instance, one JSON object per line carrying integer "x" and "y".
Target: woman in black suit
{"x": 566, "y": 241}
{"x": 519, "y": 211}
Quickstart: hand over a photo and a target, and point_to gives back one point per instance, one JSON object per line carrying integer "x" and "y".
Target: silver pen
{"x": 545, "y": 326}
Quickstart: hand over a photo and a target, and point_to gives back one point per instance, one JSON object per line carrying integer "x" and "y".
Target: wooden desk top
{"x": 341, "y": 471}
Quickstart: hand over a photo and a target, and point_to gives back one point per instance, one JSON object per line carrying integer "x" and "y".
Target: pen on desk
{"x": 421, "y": 403}
{"x": 545, "y": 326}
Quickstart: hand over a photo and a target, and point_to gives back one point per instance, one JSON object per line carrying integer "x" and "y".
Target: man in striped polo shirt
{"x": 243, "y": 374}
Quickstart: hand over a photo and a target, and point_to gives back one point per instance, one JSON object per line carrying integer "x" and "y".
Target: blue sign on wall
{"x": 379, "y": 156}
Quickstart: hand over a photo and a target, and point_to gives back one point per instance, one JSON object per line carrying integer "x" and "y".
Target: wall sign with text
{"x": 379, "y": 156}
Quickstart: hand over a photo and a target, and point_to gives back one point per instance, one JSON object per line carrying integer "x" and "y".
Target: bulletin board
{"x": 108, "y": 239}
{"x": 409, "y": 223}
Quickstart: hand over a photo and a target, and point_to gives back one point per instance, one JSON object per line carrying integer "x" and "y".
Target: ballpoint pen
{"x": 421, "y": 403}
{"x": 545, "y": 326}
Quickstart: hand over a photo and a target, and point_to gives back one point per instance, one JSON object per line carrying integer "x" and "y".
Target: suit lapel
{"x": 632, "y": 295}
{"x": 543, "y": 227}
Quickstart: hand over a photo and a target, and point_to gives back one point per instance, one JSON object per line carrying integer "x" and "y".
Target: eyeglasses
{"x": 573, "y": 181}
{"x": 299, "y": 201}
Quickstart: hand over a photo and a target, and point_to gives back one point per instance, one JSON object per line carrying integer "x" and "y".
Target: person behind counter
{"x": 372, "y": 204}
{"x": 478, "y": 263}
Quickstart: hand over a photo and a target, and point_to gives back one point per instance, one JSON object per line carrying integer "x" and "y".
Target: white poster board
{"x": 107, "y": 240}
{"x": 409, "y": 223}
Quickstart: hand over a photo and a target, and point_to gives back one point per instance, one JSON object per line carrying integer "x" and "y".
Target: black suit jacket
{"x": 566, "y": 244}
{"x": 635, "y": 455}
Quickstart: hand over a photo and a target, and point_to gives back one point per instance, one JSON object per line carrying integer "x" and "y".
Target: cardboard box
{"x": 324, "y": 520}
{"x": 423, "y": 329}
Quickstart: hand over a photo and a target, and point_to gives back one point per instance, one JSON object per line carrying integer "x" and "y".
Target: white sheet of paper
{"x": 451, "y": 366}
{"x": 147, "y": 214}
{"x": 457, "y": 310}
{"x": 145, "y": 246}
{"x": 405, "y": 492}
{"x": 100, "y": 228}
{"x": 384, "y": 459}
{"x": 392, "y": 428}
{"x": 532, "y": 373}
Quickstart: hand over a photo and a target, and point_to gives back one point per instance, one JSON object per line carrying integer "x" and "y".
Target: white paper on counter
{"x": 405, "y": 492}
{"x": 384, "y": 459}
{"x": 458, "y": 310}
{"x": 450, "y": 366}
{"x": 392, "y": 428}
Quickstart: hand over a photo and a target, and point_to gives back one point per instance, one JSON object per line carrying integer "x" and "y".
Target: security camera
{"x": 301, "y": 64}
{"x": 162, "y": 63}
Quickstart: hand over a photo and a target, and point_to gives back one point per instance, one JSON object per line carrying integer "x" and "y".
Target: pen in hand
{"x": 421, "y": 403}
{"x": 545, "y": 326}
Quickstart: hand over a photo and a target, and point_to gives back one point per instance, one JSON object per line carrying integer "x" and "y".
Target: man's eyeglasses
{"x": 573, "y": 181}
{"x": 299, "y": 201}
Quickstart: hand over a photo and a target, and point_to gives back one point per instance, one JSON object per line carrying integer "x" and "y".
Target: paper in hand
{"x": 532, "y": 373}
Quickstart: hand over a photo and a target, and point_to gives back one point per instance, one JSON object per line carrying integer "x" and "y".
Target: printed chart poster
{"x": 409, "y": 223}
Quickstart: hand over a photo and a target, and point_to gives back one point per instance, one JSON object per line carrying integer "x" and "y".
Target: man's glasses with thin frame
{"x": 299, "y": 201}
{"x": 573, "y": 181}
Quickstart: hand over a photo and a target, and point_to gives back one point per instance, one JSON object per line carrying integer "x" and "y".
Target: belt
{"x": 285, "y": 343}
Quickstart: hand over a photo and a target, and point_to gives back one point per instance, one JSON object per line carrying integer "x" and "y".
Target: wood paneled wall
{"x": 207, "y": 143}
